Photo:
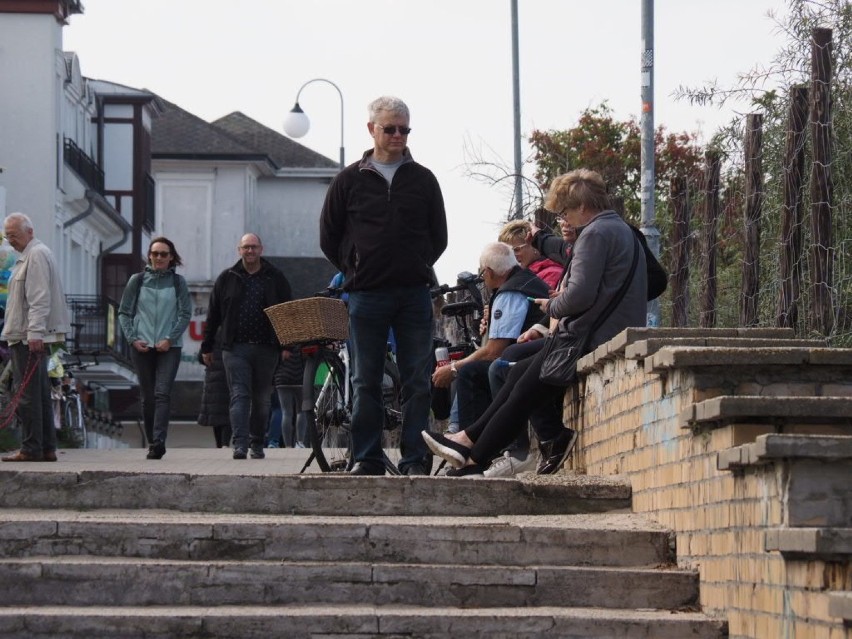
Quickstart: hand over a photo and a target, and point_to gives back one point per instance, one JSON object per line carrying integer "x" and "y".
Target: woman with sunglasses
{"x": 154, "y": 313}
{"x": 602, "y": 261}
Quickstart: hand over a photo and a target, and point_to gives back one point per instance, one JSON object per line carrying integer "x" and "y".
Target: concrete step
{"x": 310, "y": 622}
{"x": 644, "y": 348}
{"x": 107, "y": 581}
{"x": 519, "y": 540}
{"x": 49, "y": 486}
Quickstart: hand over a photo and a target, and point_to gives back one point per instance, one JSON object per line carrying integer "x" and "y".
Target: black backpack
{"x": 658, "y": 279}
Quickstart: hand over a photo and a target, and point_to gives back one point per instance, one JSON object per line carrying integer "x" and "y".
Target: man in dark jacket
{"x": 250, "y": 349}
{"x": 384, "y": 226}
{"x": 511, "y": 313}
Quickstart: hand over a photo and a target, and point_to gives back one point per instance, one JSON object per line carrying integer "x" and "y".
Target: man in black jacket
{"x": 384, "y": 226}
{"x": 250, "y": 349}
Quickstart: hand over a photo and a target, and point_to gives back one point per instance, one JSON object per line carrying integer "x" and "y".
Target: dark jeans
{"x": 473, "y": 392}
{"x": 408, "y": 310}
{"x": 498, "y": 372}
{"x": 38, "y": 432}
{"x": 156, "y": 372}
{"x": 249, "y": 369}
{"x": 522, "y": 397}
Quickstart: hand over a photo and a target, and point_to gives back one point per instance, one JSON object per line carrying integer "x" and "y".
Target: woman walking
{"x": 154, "y": 313}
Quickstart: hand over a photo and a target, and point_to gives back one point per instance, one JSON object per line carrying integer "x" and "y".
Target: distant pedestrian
{"x": 36, "y": 317}
{"x": 384, "y": 226}
{"x": 154, "y": 312}
{"x": 250, "y": 348}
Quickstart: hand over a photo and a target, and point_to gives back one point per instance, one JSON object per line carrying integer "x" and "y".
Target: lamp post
{"x": 296, "y": 124}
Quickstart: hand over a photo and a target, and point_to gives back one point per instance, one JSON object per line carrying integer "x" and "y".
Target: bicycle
{"x": 327, "y": 404}
{"x": 71, "y": 411}
{"x": 466, "y": 314}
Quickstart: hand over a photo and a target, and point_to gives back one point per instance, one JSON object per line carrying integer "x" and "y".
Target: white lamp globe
{"x": 296, "y": 124}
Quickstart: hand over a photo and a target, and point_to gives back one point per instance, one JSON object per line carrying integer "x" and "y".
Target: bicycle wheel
{"x": 331, "y": 435}
{"x": 392, "y": 403}
{"x": 74, "y": 422}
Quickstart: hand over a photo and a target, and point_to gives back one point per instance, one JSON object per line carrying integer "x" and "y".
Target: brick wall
{"x": 630, "y": 416}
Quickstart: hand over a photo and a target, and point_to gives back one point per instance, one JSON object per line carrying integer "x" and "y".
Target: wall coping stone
{"x": 703, "y": 357}
{"x": 840, "y": 605}
{"x": 815, "y": 543}
{"x": 767, "y": 449}
{"x": 763, "y": 409}
{"x": 644, "y": 348}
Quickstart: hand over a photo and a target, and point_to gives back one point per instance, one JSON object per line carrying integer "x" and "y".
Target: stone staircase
{"x": 111, "y": 553}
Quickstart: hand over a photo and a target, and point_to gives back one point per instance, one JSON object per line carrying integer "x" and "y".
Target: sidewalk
{"x": 194, "y": 461}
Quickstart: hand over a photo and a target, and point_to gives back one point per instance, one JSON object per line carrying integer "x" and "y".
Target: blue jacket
{"x": 155, "y": 305}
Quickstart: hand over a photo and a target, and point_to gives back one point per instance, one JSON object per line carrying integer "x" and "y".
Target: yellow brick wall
{"x": 628, "y": 423}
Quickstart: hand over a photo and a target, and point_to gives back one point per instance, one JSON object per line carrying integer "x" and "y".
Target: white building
{"x": 101, "y": 168}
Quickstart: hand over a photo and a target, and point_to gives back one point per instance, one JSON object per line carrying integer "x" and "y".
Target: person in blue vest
{"x": 154, "y": 312}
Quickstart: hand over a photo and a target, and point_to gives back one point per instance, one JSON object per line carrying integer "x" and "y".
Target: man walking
{"x": 250, "y": 349}
{"x": 384, "y": 226}
{"x": 36, "y": 316}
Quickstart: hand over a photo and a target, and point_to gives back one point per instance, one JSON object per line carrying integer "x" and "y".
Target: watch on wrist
{"x": 454, "y": 369}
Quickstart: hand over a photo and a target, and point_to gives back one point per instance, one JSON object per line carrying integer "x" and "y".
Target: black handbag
{"x": 562, "y": 349}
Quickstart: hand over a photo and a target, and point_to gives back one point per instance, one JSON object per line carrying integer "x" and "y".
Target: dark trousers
{"x": 156, "y": 372}
{"x": 523, "y": 397}
{"x": 473, "y": 392}
{"x": 38, "y": 433}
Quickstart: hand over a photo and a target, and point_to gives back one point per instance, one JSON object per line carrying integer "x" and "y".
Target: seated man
{"x": 511, "y": 313}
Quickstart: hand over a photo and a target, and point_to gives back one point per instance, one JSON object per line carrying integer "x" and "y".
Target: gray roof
{"x": 283, "y": 151}
{"x": 178, "y": 134}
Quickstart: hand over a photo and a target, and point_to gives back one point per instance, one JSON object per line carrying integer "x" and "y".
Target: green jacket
{"x": 155, "y": 306}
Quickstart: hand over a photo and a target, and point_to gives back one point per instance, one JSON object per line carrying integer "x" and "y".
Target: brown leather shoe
{"x": 49, "y": 455}
{"x": 22, "y": 457}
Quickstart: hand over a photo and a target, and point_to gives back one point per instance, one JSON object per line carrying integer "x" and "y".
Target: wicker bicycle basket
{"x": 309, "y": 320}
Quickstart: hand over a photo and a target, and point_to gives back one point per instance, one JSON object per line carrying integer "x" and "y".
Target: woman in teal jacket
{"x": 154, "y": 313}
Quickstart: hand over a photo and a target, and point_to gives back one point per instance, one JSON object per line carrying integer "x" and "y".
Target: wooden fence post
{"x": 790, "y": 266}
{"x": 709, "y": 222}
{"x": 753, "y": 148}
{"x": 822, "y": 247}
{"x": 679, "y": 202}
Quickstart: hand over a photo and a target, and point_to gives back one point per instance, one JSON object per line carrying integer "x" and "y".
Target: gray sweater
{"x": 602, "y": 257}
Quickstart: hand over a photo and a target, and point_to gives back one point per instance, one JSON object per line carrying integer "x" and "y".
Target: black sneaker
{"x": 473, "y": 471}
{"x": 239, "y": 453}
{"x": 445, "y": 448}
{"x": 156, "y": 451}
{"x": 257, "y": 452}
{"x": 417, "y": 468}
{"x": 555, "y": 451}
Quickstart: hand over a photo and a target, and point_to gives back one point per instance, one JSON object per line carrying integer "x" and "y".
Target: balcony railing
{"x": 95, "y": 328}
{"x": 84, "y": 166}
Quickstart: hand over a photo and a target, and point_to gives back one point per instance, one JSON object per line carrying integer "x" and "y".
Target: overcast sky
{"x": 449, "y": 60}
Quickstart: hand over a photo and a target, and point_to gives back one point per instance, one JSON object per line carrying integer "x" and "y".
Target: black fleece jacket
{"x": 382, "y": 235}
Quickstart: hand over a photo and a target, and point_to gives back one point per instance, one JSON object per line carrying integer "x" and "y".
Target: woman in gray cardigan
{"x": 154, "y": 313}
{"x": 603, "y": 256}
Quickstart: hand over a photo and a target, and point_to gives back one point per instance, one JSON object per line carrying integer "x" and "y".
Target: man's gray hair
{"x": 26, "y": 224}
{"x": 388, "y": 103}
{"x": 499, "y": 257}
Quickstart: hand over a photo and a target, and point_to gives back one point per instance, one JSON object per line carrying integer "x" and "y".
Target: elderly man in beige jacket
{"x": 36, "y": 316}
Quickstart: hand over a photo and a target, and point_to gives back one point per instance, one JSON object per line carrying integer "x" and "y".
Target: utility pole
{"x": 648, "y": 226}
{"x": 516, "y": 104}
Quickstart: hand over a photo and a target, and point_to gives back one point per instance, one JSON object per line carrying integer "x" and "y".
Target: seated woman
{"x": 603, "y": 256}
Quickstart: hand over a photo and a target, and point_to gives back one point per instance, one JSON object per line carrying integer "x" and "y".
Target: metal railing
{"x": 84, "y": 166}
{"x": 95, "y": 327}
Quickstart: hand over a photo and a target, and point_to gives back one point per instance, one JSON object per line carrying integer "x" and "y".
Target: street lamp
{"x": 296, "y": 124}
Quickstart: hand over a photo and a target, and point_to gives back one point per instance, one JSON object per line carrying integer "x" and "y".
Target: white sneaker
{"x": 508, "y": 465}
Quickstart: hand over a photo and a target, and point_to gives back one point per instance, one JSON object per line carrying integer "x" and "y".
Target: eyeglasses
{"x": 517, "y": 249}
{"x": 391, "y": 130}
{"x": 159, "y": 253}
{"x": 559, "y": 215}
{"x": 250, "y": 247}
